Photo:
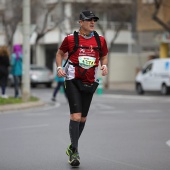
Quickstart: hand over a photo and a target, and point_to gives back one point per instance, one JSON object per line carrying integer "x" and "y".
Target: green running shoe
{"x": 69, "y": 151}
{"x": 74, "y": 159}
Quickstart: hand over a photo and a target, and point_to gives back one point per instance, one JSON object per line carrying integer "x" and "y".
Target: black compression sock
{"x": 74, "y": 133}
{"x": 81, "y": 127}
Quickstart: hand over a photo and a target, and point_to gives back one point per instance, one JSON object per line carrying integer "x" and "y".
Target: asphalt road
{"x": 123, "y": 132}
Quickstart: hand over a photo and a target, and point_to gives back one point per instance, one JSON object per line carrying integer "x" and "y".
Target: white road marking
{"x": 102, "y": 106}
{"x": 148, "y": 98}
{"x": 53, "y": 105}
{"x": 148, "y": 111}
{"x": 168, "y": 143}
{"x": 113, "y": 112}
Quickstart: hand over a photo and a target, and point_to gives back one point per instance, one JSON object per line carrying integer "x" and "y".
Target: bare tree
{"x": 11, "y": 16}
{"x": 158, "y": 4}
{"x": 40, "y": 12}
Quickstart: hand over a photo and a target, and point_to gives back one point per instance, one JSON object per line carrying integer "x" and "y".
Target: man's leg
{"x": 72, "y": 151}
{"x": 75, "y": 104}
{"x": 81, "y": 125}
{"x": 86, "y": 102}
{"x": 74, "y": 130}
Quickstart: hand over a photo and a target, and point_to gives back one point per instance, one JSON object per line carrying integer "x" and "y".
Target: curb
{"x": 21, "y": 106}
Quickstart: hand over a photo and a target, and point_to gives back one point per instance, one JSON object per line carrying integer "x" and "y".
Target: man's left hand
{"x": 104, "y": 70}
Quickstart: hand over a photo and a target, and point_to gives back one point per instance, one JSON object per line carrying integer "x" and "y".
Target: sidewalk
{"x": 21, "y": 106}
{"x": 121, "y": 88}
{"x": 127, "y": 86}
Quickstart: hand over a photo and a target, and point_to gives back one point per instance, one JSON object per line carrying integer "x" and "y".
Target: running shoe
{"x": 69, "y": 151}
{"x": 74, "y": 159}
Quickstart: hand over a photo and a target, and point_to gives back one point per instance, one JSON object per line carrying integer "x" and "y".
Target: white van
{"x": 155, "y": 76}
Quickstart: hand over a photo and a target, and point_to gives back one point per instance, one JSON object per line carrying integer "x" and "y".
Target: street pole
{"x": 26, "y": 51}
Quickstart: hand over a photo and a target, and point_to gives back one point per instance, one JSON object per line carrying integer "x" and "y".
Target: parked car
{"x": 38, "y": 75}
{"x": 155, "y": 76}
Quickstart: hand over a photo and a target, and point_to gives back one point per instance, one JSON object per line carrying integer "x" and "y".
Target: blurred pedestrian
{"x": 60, "y": 82}
{"x": 4, "y": 69}
{"x": 86, "y": 50}
{"x": 16, "y": 68}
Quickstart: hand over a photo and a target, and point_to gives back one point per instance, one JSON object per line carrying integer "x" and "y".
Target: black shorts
{"x": 79, "y": 102}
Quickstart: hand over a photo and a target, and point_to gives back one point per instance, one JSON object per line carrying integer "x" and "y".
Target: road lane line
{"x": 148, "y": 111}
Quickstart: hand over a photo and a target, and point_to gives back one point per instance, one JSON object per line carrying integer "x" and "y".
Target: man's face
{"x": 88, "y": 25}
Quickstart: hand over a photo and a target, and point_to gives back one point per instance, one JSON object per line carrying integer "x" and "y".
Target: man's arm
{"x": 59, "y": 58}
{"x": 104, "y": 62}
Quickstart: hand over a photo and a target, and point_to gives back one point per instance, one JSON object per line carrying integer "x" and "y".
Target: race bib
{"x": 86, "y": 62}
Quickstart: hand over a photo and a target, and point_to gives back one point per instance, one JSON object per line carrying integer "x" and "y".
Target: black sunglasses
{"x": 91, "y": 19}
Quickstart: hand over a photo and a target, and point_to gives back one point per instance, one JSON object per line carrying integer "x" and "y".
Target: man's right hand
{"x": 61, "y": 73}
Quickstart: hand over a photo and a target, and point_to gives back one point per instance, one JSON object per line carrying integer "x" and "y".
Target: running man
{"x": 80, "y": 75}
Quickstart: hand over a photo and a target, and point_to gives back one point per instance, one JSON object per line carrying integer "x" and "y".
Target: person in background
{"x": 4, "y": 66}
{"x": 16, "y": 68}
{"x": 60, "y": 82}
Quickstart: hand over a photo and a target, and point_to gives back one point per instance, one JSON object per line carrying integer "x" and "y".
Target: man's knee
{"x": 76, "y": 117}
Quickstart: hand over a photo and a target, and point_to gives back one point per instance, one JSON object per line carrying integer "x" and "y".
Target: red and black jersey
{"x": 86, "y": 59}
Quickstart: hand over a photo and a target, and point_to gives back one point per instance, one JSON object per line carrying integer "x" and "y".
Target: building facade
{"x": 152, "y": 34}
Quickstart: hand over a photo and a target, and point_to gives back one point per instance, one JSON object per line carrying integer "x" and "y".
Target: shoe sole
{"x": 74, "y": 163}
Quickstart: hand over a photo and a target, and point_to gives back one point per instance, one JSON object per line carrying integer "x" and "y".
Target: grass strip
{"x": 12, "y": 100}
